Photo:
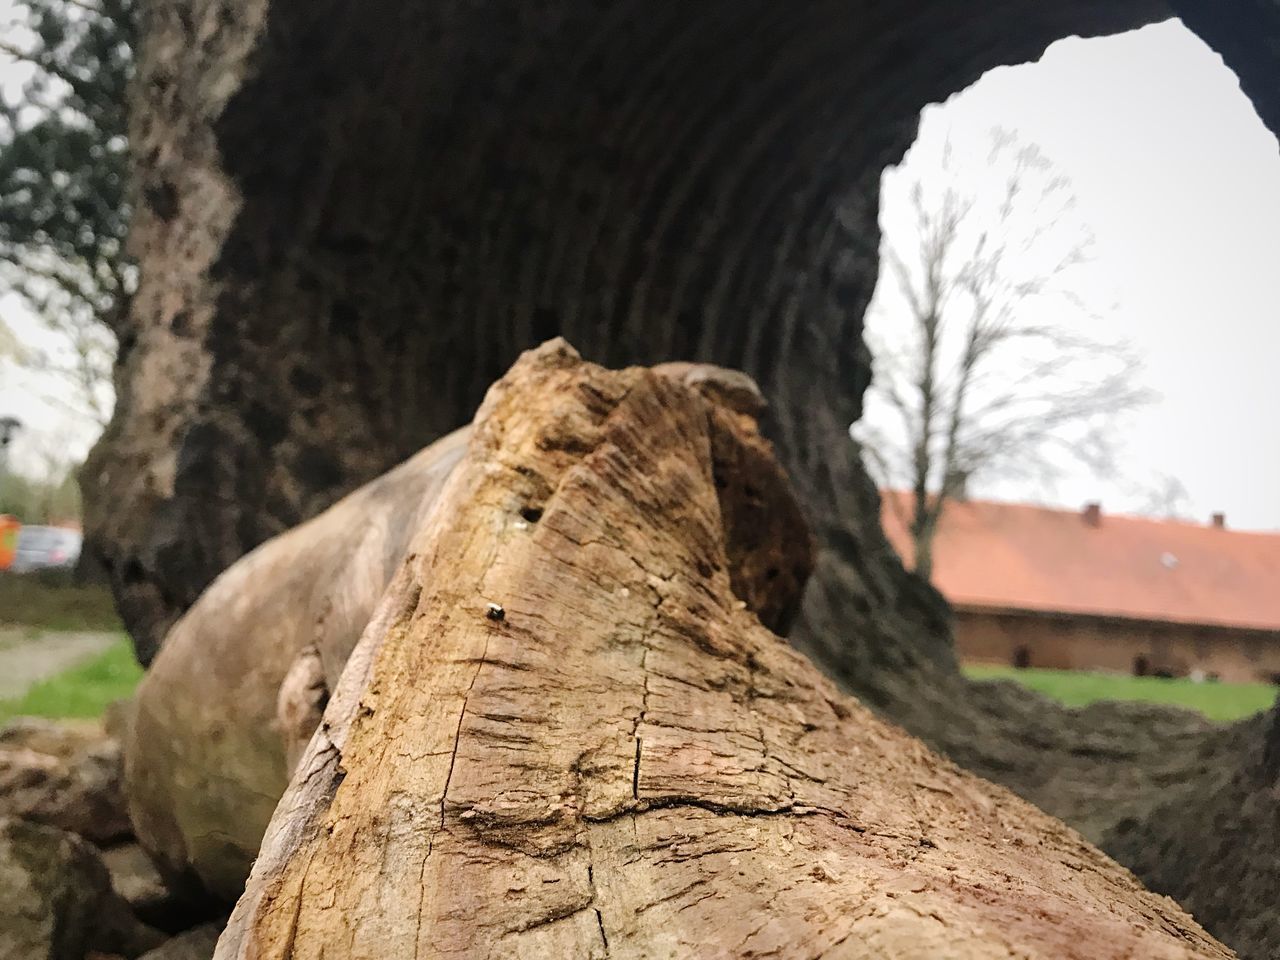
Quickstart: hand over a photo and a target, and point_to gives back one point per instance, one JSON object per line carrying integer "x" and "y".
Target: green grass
{"x": 1217, "y": 701}
{"x": 84, "y": 691}
{"x": 50, "y": 601}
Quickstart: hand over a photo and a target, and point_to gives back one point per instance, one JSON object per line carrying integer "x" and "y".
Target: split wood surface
{"x": 567, "y": 733}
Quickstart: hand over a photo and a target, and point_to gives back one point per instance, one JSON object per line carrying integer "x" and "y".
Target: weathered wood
{"x": 207, "y": 755}
{"x": 243, "y": 679}
{"x": 566, "y": 734}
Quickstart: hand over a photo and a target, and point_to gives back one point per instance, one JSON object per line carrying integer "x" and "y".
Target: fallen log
{"x": 208, "y": 749}
{"x": 243, "y": 678}
{"x": 566, "y": 733}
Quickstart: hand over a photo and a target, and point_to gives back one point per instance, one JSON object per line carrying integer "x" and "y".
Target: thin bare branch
{"x": 982, "y": 384}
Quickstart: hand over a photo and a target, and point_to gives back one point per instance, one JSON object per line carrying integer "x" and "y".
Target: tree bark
{"x": 573, "y": 737}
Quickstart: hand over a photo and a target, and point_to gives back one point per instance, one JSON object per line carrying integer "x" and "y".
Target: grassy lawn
{"x": 1217, "y": 701}
{"x": 50, "y": 601}
{"x": 53, "y": 603}
{"x": 82, "y": 691}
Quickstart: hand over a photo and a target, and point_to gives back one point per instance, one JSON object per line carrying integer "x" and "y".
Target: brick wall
{"x": 1121, "y": 646}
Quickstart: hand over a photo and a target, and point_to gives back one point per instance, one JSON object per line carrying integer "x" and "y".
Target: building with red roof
{"x": 1083, "y": 590}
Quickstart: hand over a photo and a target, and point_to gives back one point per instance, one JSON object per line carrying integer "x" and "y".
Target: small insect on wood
{"x": 495, "y": 612}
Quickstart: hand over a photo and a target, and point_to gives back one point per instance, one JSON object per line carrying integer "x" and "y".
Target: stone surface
{"x": 138, "y": 883}
{"x": 56, "y": 901}
{"x": 195, "y": 944}
{"x": 626, "y": 762}
{"x": 65, "y": 774}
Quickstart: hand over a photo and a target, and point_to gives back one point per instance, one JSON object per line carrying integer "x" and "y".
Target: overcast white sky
{"x": 53, "y": 435}
{"x": 1180, "y": 183}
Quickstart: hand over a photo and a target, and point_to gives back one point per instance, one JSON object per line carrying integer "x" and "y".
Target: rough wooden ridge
{"x": 566, "y": 734}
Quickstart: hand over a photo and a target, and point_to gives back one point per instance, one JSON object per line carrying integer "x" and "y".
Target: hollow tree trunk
{"x": 570, "y": 736}
{"x": 354, "y": 210}
{"x": 355, "y": 215}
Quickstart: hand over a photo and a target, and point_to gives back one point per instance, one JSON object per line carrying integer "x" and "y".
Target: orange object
{"x": 9, "y": 527}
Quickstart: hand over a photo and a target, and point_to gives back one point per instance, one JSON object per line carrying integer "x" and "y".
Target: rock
{"x": 56, "y": 901}
{"x": 137, "y": 881}
{"x": 66, "y": 775}
{"x": 195, "y": 944}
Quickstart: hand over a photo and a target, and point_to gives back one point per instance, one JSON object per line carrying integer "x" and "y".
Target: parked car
{"x": 46, "y": 548}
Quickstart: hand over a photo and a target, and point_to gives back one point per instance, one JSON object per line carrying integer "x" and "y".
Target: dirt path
{"x": 27, "y": 657}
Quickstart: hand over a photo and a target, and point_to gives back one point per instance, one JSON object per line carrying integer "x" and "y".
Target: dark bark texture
{"x": 378, "y": 205}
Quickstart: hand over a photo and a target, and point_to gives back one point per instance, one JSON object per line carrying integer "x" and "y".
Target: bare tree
{"x": 983, "y": 374}
{"x": 10, "y": 347}
{"x": 64, "y": 206}
{"x": 74, "y": 345}
{"x": 1166, "y": 499}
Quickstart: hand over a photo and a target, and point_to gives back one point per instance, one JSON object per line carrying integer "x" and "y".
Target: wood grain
{"x": 626, "y": 762}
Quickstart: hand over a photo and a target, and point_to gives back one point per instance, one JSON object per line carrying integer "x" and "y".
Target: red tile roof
{"x": 1008, "y": 556}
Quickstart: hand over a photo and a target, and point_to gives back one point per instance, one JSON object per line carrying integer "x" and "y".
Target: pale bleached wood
{"x": 207, "y": 753}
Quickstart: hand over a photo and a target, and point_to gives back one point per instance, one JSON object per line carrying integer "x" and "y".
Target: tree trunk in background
{"x": 356, "y": 215}
{"x": 572, "y": 737}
